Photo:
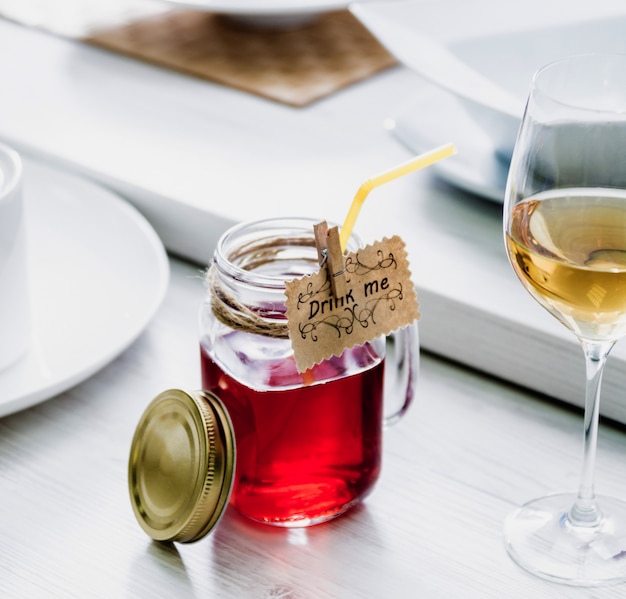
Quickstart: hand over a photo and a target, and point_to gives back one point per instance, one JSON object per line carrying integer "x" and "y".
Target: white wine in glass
{"x": 565, "y": 233}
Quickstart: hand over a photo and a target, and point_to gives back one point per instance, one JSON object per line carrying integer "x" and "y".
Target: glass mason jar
{"x": 308, "y": 446}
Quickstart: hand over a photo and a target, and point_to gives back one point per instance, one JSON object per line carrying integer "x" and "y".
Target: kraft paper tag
{"x": 380, "y": 298}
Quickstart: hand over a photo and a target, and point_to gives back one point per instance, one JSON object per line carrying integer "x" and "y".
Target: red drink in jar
{"x": 305, "y": 452}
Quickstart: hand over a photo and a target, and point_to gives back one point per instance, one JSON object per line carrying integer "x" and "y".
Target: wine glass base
{"x": 541, "y": 538}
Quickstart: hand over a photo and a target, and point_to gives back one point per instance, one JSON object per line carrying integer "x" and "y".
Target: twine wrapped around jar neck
{"x": 238, "y": 316}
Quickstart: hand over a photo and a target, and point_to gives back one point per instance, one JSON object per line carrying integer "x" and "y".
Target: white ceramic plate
{"x": 435, "y": 117}
{"x": 486, "y": 51}
{"x": 98, "y": 273}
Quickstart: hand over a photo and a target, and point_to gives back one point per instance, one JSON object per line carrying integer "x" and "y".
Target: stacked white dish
{"x": 482, "y": 69}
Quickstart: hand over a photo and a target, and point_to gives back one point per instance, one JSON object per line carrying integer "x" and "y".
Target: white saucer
{"x": 435, "y": 117}
{"x": 98, "y": 273}
{"x": 488, "y": 62}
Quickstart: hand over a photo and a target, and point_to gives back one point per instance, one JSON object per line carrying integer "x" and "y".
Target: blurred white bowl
{"x": 486, "y": 51}
{"x": 267, "y": 13}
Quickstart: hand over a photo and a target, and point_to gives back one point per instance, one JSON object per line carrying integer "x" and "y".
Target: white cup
{"x": 14, "y": 298}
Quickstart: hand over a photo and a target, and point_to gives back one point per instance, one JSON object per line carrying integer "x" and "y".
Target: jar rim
{"x": 288, "y": 227}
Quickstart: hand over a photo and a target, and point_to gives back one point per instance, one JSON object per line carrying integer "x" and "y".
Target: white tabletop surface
{"x": 194, "y": 157}
{"x": 468, "y": 452}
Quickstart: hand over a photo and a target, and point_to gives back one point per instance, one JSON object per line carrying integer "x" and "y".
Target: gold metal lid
{"x": 181, "y": 465}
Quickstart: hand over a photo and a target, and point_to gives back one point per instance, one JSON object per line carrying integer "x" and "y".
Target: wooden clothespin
{"x": 329, "y": 253}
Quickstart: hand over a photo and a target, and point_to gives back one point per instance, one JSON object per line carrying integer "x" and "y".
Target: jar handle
{"x": 401, "y": 372}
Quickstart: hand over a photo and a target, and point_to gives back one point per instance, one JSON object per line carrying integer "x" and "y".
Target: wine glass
{"x": 565, "y": 233}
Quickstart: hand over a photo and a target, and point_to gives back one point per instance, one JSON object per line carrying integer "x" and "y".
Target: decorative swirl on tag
{"x": 354, "y": 265}
{"x": 312, "y": 291}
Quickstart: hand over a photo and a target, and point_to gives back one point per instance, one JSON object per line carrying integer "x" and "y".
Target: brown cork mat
{"x": 293, "y": 66}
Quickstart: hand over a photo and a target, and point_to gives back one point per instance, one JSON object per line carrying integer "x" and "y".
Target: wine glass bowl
{"x": 565, "y": 235}
{"x": 567, "y": 248}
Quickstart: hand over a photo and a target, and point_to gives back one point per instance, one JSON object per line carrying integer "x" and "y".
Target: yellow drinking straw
{"x": 416, "y": 163}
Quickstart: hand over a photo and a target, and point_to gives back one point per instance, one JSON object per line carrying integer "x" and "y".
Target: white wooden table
{"x": 467, "y": 453}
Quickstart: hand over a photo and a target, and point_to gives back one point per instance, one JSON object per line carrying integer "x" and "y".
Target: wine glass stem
{"x": 585, "y": 511}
